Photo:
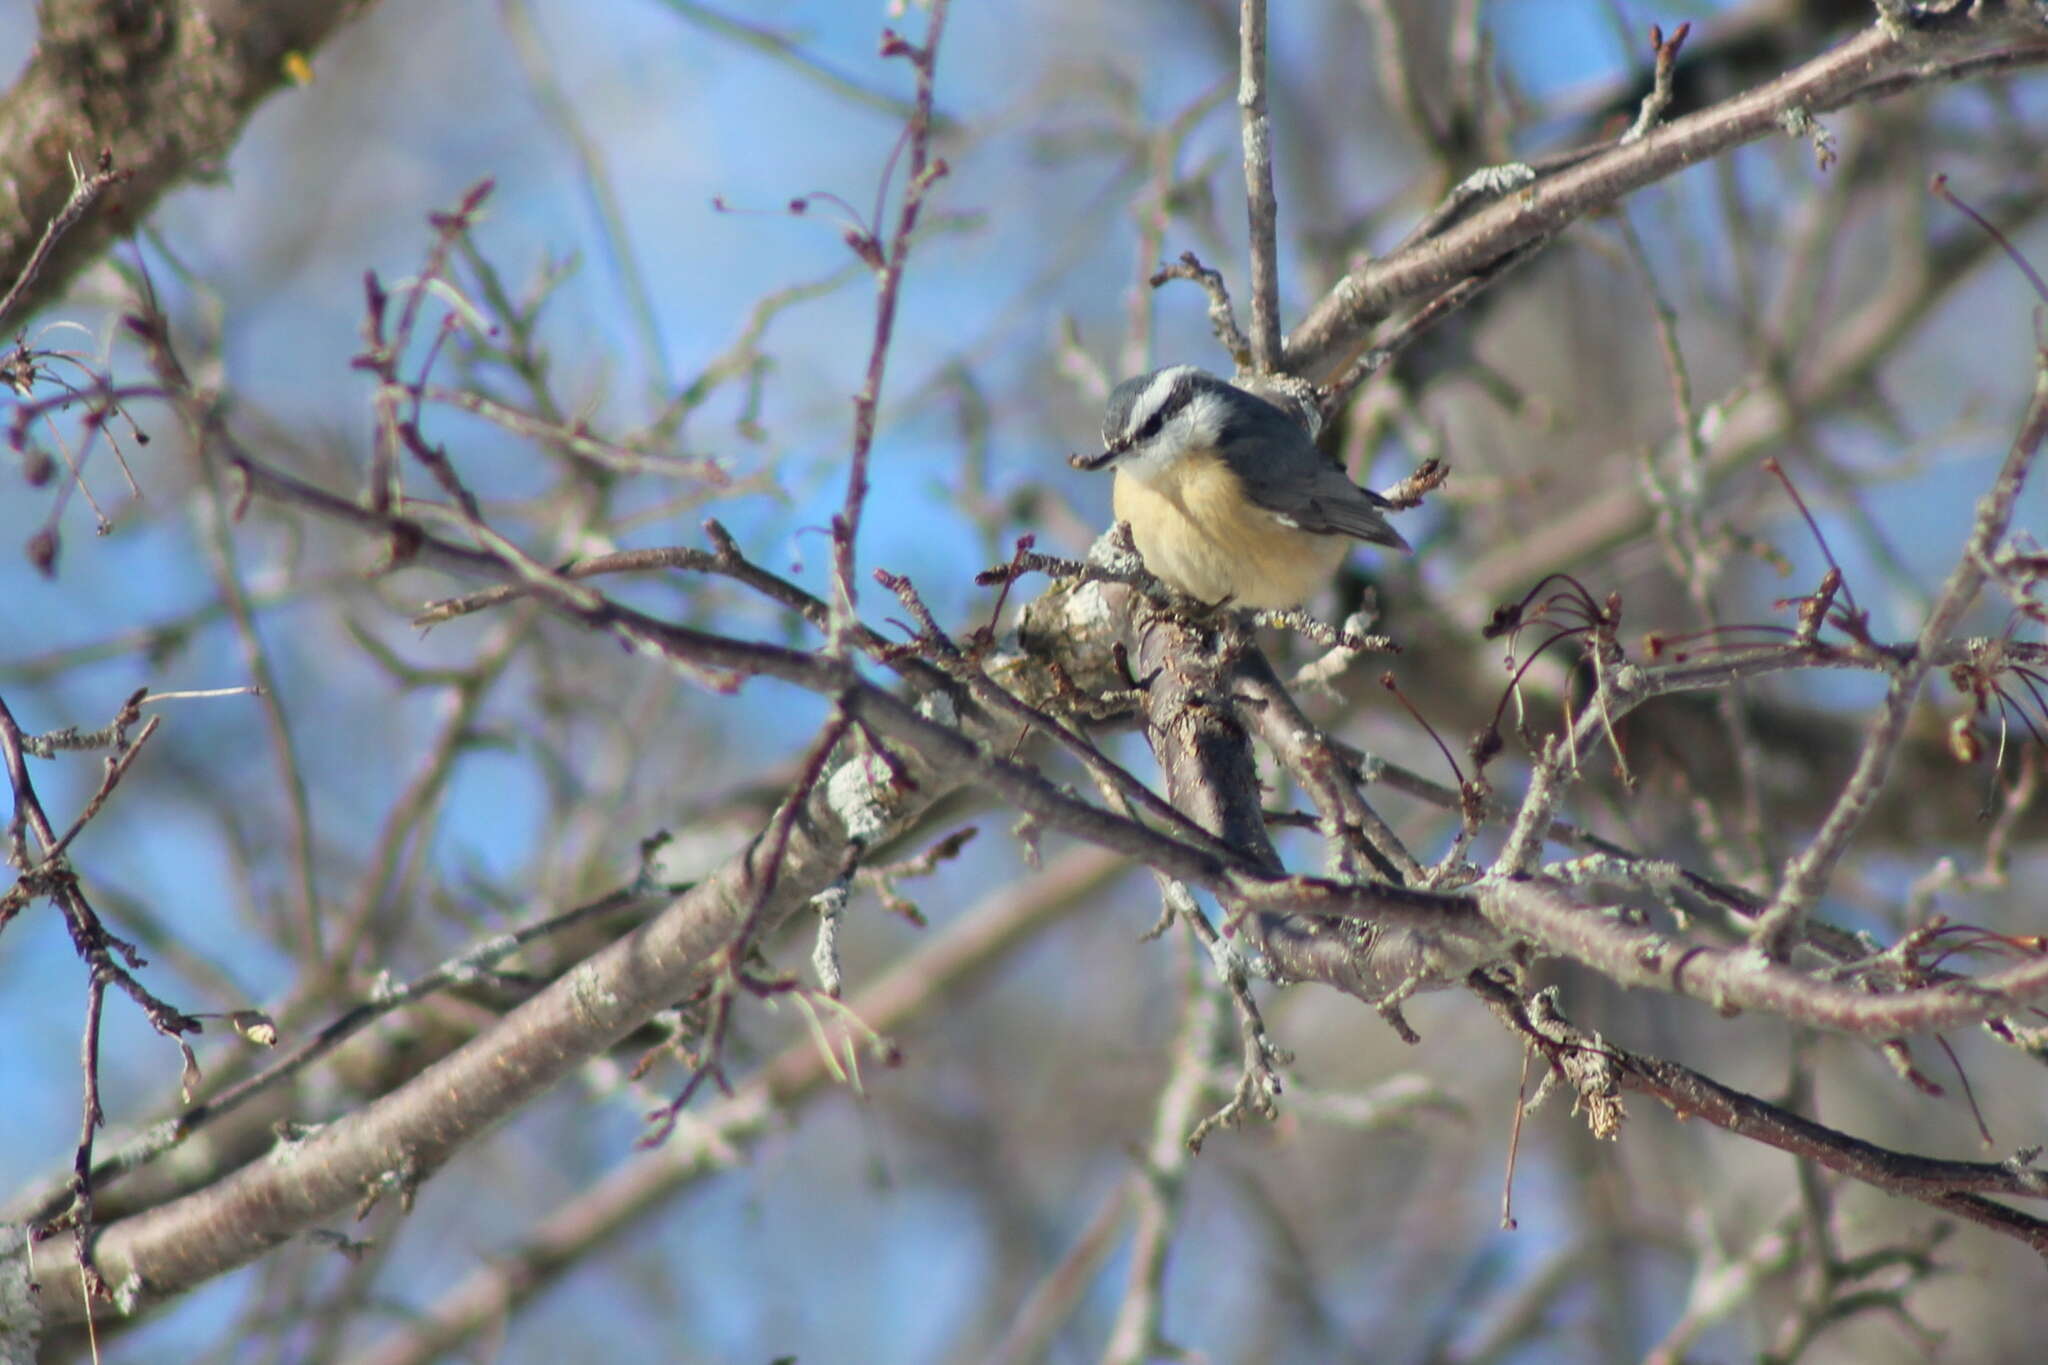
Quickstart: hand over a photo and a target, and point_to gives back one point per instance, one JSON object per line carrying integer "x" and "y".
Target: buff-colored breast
{"x": 1198, "y": 533}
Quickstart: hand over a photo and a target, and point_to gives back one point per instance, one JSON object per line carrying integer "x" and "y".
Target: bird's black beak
{"x": 1093, "y": 462}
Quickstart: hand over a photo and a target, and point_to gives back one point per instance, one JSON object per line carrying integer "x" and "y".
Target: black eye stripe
{"x": 1152, "y": 425}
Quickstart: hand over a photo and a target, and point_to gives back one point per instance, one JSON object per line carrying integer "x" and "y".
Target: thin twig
{"x": 86, "y": 190}
{"x": 1807, "y": 876}
{"x": 922, "y": 172}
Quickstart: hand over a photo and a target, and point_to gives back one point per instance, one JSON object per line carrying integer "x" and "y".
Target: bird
{"x": 1227, "y": 498}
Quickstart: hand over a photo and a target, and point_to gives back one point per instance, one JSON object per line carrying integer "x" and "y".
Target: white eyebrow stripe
{"x": 1155, "y": 394}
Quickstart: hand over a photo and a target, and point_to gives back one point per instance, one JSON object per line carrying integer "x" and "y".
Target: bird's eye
{"x": 1152, "y": 425}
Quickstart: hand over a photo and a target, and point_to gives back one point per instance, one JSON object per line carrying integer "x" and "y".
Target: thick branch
{"x": 1335, "y": 329}
{"x": 643, "y": 1186}
{"x": 165, "y": 87}
{"x": 389, "y": 1147}
{"x": 1262, "y": 208}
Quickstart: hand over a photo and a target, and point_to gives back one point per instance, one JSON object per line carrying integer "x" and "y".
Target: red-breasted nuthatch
{"x": 1227, "y": 497}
